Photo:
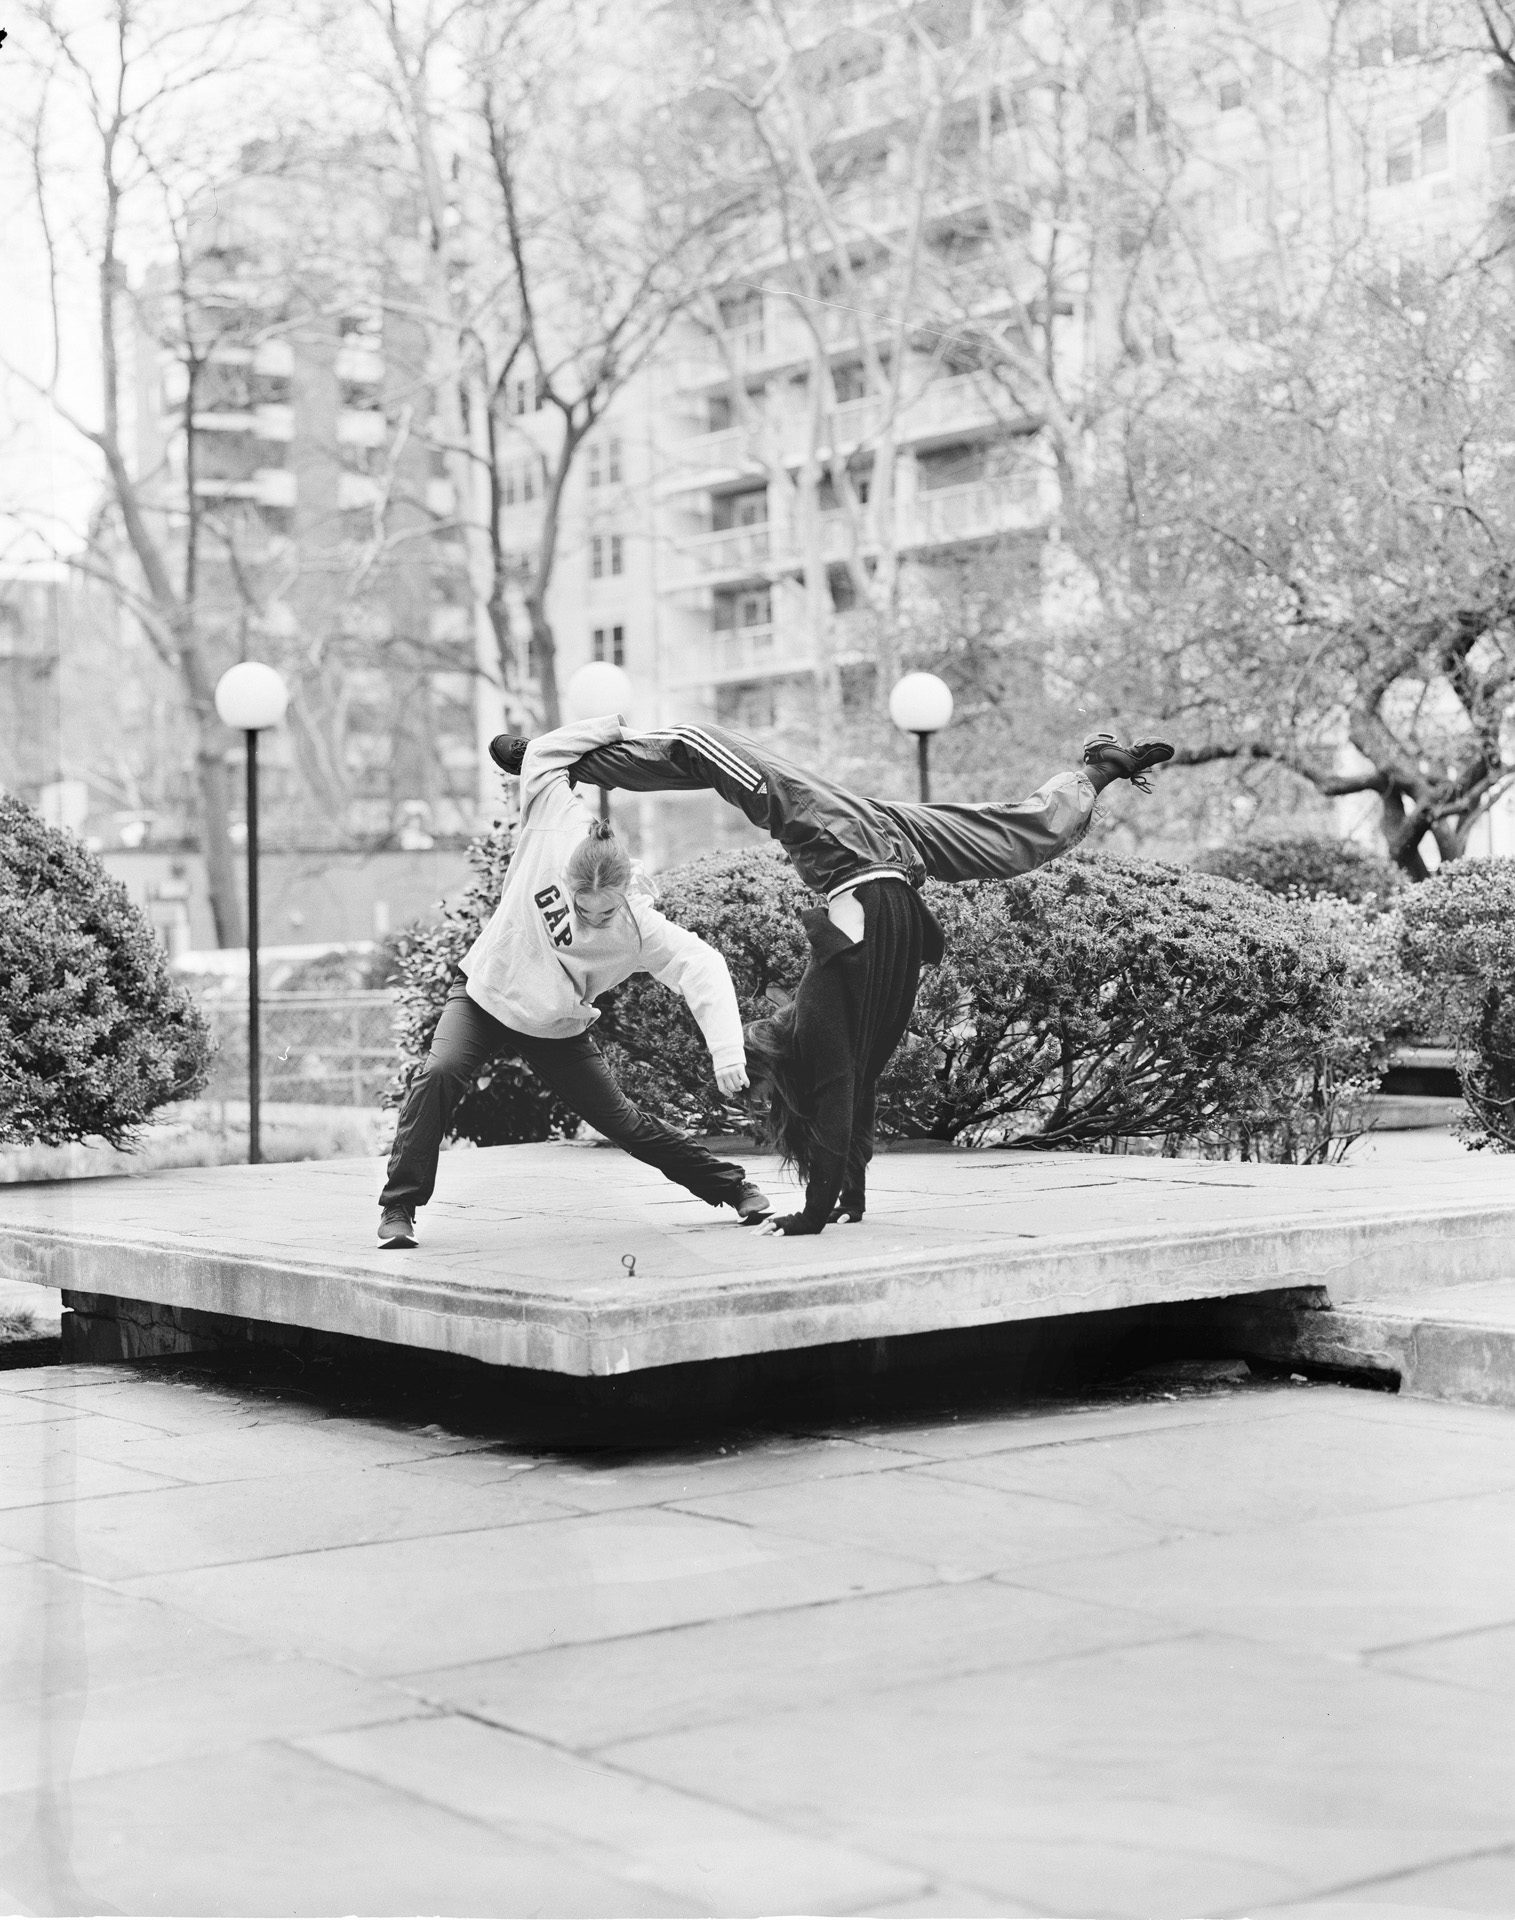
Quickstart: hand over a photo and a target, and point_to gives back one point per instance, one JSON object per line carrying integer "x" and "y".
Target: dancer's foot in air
{"x": 1105, "y": 754}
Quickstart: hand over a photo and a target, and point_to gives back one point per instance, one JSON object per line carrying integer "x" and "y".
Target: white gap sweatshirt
{"x": 538, "y": 968}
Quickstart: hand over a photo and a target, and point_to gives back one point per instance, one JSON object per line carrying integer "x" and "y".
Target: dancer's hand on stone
{"x": 731, "y": 1079}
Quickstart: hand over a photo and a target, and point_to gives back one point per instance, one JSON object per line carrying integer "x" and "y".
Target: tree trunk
{"x": 544, "y": 646}
{"x": 211, "y": 777}
{"x": 1403, "y": 832}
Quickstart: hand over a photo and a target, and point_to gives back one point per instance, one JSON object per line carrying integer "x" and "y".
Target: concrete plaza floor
{"x": 1206, "y": 1645}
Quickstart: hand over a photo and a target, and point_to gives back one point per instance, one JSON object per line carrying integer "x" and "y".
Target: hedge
{"x": 1308, "y": 866}
{"x": 95, "y": 1034}
{"x": 1458, "y": 943}
{"x": 1093, "y": 1003}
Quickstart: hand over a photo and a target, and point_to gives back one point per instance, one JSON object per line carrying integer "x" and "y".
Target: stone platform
{"x": 526, "y": 1254}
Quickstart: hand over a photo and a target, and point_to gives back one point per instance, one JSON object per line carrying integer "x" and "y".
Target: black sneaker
{"x": 1127, "y": 763}
{"x": 397, "y": 1228}
{"x": 753, "y": 1205}
{"x": 508, "y": 750}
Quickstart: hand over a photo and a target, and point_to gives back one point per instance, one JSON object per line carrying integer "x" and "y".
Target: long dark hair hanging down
{"x": 784, "y": 1125}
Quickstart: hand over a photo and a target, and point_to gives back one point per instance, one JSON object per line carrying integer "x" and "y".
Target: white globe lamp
{"x": 921, "y": 704}
{"x": 597, "y": 688}
{"x": 251, "y": 697}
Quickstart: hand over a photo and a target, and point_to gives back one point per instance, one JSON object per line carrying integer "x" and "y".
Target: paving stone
{"x": 43, "y": 1462}
{"x": 1186, "y": 1478}
{"x": 273, "y": 1830}
{"x": 1183, "y": 1777}
{"x": 697, "y": 1676}
{"x": 408, "y": 1604}
{"x": 958, "y": 1534}
{"x": 598, "y": 1481}
{"x": 682, "y": 1843}
{"x": 60, "y": 1633}
{"x": 992, "y": 1429}
{"x": 1480, "y": 1883}
{"x": 1483, "y": 1660}
{"x": 1342, "y": 1585}
{"x": 119, "y": 1536}
{"x": 123, "y": 1726}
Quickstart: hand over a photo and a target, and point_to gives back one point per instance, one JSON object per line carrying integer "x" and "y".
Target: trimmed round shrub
{"x": 1458, "y": 943}
{"x": 95, "y": 1034}
{"x": 506, "y": 1103}
{"x": 1310, "y": 866}
{"x": 1095, "y": 1001}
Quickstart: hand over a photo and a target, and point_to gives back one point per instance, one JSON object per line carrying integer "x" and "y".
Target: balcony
{"x": 360, "y": 366}
{"x": 743, "y": 653}
{"x": 704, "y": 459}
{"x": 949, "y": 409}
{"x": 358, "y": 491}
{"x": 361, "y": 427}
{"x": 275, "y": 358}
{"x": 735, "y": 551}
{"x": 978, "y": 509}
{"x": 224, "y": 420}
{"x": 268, "y": 486}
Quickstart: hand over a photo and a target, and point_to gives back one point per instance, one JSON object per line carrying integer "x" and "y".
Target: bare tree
{"x": 1321, "y": 554}
{"x": 563, "y": 234}
{"x": 136, "y": 84}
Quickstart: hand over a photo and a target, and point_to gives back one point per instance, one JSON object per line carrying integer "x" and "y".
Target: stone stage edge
{"x": 571, "y": 1258}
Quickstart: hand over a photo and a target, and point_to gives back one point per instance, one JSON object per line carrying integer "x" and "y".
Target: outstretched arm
{"x": 682, "y": 960}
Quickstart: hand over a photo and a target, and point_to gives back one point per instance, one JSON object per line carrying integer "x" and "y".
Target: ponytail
{"x": 601, "y": 864}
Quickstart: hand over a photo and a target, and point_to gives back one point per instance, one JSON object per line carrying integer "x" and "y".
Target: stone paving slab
{"x": 524, "y": 1253}
{"x": 1237, "y": 1652}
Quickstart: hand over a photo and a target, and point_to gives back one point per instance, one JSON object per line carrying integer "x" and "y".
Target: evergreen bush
{"x": 1458, "y": 943}
{"x": 95, "y": 1034}
{"x": 1308, "y": 866}
{"x": 1098, "y": 1000}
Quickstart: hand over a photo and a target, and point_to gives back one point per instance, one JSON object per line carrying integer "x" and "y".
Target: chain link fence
{"x": 319, "y": 1049}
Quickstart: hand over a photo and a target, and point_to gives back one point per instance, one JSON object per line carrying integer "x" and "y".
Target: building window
{"x": 594, "y": 463}
{"x": 615, "y": 553}
{"x": 529, "y": 481}
{"x": 1230, "y": 95}
{"x": 610, "y": 644}
{"x": 1433, "y": 143}
{"x": 597, "y": 557}
{"x": 614, "y": 459}
{"x": 508, "y": 487}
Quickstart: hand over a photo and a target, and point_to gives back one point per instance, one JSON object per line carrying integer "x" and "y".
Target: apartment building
{"x": 289, "y": 418}
{"x": 1229, "y": 158}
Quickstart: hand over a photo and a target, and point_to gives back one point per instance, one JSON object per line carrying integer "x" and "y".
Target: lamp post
{"x": 251, "y": 697}
{"x": 921, "y": 704}
{"x": 595, "y": 689}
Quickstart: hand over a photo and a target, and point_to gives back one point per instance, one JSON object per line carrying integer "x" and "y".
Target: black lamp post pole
{"x": 923, "y": 762}
{"x": 254, "y": 1063}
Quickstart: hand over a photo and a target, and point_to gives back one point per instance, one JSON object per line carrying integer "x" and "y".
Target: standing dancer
{"x": 818, "y": 1059}
{"x": 574, "y": 919}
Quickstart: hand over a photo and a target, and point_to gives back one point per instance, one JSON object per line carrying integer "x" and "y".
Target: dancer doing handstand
{"x": 575, "y": 917}
{"x": 815, "y": 1063}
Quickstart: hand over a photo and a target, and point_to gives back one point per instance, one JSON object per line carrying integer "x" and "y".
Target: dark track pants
{"x": 574, "y": 1070}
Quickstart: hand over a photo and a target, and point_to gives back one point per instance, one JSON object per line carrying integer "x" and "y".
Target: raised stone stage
{"x": 524, "y": 1255}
